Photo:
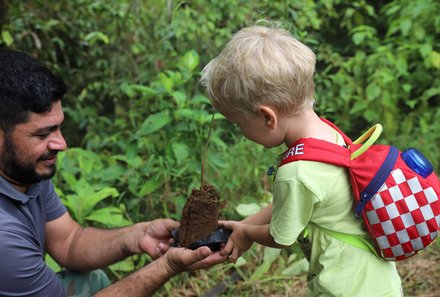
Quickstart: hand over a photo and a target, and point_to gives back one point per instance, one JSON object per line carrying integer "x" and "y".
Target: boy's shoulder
{"x": 309, "y": 172}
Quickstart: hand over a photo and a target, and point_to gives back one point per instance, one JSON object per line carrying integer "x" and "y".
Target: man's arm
{"x": 78, "y": 248}
{"x": 150, "y": 278}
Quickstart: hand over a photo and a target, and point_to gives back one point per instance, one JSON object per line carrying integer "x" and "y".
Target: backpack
{"x": 396, "y": 193}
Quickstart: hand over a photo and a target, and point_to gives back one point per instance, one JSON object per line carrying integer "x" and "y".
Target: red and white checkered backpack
{"x": 396, "y": 193}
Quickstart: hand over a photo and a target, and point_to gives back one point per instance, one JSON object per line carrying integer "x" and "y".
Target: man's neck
{"x": 18, "y": 186}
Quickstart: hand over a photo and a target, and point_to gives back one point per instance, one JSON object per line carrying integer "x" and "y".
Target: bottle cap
{"x": 417, "y": 162}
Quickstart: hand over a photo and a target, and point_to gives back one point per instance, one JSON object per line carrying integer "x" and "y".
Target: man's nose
{"x": 57, "y": 142}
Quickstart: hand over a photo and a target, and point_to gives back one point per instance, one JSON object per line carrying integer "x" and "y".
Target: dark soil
{"x": 199, "y": 215}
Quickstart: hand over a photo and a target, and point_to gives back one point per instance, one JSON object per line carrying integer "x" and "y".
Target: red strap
{"x": 312, "y": 149}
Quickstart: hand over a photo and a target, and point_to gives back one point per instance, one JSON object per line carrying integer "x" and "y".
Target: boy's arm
{"x": 260, "y": 218}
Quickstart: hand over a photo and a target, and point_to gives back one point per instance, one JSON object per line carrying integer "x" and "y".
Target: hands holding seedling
{"x": 238, "y": 241}
{"x": 156, "y": 242}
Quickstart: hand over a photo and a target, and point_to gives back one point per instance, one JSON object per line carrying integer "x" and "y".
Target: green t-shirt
{"x": 318, "y": 195}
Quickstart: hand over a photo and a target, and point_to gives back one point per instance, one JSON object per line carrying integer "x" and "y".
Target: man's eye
{"x": 43, "y": 135}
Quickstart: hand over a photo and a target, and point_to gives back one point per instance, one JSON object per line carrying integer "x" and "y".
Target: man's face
{"x": 28, "y": 155}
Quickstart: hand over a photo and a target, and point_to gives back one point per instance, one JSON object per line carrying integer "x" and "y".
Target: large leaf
{"x": 180, "y": 151}
{"x": 96, "y": 197}
{"x": 153, "y": 123}
{"x": 108, "y": 216}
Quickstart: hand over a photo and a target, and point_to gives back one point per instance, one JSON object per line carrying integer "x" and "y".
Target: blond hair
{"x": 261, "y": 66}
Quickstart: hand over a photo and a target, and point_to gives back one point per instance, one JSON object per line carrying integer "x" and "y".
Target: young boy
{"x": 263, "y": 82}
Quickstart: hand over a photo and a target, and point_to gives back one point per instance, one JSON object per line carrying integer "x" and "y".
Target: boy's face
{"x": 255, "y": 127}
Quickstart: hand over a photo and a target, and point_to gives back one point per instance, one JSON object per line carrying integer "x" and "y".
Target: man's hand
{"x": 183, "y": 259}
{"x": 238, "y": 242}
{"x": 156, "y": 237}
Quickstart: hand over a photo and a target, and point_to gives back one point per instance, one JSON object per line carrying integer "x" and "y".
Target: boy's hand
{"x": 238, "y": 243}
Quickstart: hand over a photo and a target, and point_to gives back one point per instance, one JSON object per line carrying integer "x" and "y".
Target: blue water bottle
{"x": 417, "y": 162}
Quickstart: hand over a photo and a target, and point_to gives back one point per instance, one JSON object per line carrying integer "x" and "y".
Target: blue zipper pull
{"x": 271, "y": 170}
{"x": 361, "y": 204}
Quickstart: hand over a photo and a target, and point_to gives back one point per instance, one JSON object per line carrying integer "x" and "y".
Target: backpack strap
{"x": 352, "y": 239}
{"x": 312, "y": 149}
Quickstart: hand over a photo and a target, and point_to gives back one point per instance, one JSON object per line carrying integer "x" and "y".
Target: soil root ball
{"x": 199, "y": 215}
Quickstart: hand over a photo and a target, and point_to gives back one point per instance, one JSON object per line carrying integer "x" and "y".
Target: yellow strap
{"x": 352, "y": 239}
{"x": 370, "y": 136}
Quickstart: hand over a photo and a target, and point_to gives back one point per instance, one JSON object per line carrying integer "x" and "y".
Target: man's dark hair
{"x": 25, "y": 86}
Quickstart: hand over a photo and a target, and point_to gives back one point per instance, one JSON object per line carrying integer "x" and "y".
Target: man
{"x": 33, "y": 220}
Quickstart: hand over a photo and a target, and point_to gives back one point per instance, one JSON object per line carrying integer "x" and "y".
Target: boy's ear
{"x": 270, "y": 116}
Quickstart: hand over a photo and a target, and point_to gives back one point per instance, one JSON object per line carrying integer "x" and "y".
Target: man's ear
{"x": 2, "y": 139}
{"x": 270, "y": 116}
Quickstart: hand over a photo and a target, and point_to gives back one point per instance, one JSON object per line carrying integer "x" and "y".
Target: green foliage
{"x": 388, "y": 73}
{"x": 85, "y": 187}
{"x": 137, "y": 119}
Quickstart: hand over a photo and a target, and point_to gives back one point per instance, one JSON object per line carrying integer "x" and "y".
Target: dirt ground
{"x": 420, "y": 278}
{"x": 421, "y": 273}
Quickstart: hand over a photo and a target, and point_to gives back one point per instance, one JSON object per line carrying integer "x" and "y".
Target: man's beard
{"x": 18, "y": 170}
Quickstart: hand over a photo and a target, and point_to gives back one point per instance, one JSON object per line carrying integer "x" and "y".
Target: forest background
{"x": 137, "y": 119}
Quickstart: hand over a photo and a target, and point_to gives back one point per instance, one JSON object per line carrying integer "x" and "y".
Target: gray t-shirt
{"x": 23, "y": 271}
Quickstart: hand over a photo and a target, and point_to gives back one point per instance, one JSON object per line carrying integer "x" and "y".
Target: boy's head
{"x": 261, "y": 66}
